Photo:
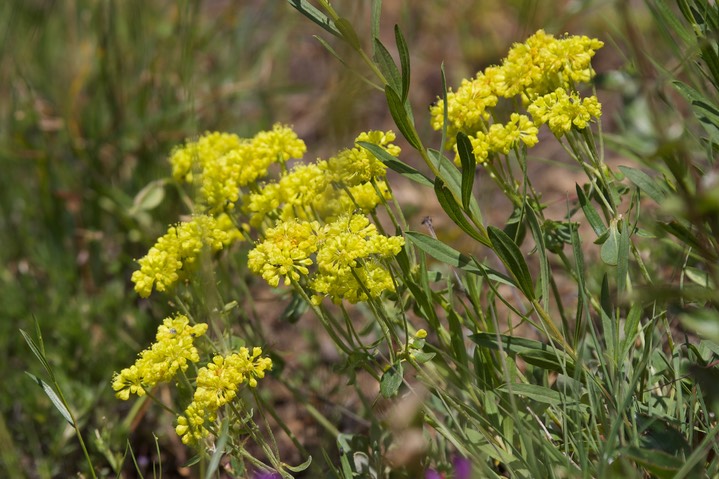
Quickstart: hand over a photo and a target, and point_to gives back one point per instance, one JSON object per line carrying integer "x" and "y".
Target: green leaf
{"x": 452, "y": 257}
{"x": 702, "y": 278}
{"x": 420, "y": 357}
{"x": 459, "y": 350}
{"x": 533, "y": 352}
{"x": 315, "y": 15}
{"x": 54, "y": 398}
{"x": 610, "y": 249}
{"x": 300, "y": 467}
{"x": 375, "y": 18}
{"x": 391, "y": 380}
{"x": 294, "y": 311}
{"x": 219, "y": 451}
{"x": 453, "y": 180}
{"x": 450, "y": 206}
{"x": 347, "y": 32}
{"x": 403, "y": 61}
{"x": 401, "y": 118}
{"x": 513, "y": 259}
{"x": 149, "y": 197}
{"x": 332, "y": 51}
{"x": 704, "y": 109}
{"x": 660, "y": 464}
{"x": 645, "y": 183}
{"x": 704, "y": 322}
{"x": 538, "y": 236}
{"x": 534, "y": 392}
{"x": 36, "y": 351}
{"x": 595, "y": 221}
{"x": 387, "y": 66}
{"x": 396, "y": 165}
{"x": 623, "y": 256}
{"x": 631, "y": 328}
{"x": 469, "y": 165}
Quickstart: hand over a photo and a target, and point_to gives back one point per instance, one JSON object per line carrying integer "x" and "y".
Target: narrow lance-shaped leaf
{"x": 534, "y": 392}
{"x": 538, "y": 236}
{"x": 315, "y": 15}
{"x": 387, "y": 66}
{"x": 703, "y": 109}
{"x": 513, "y": 259}
{"x": 403, "y": 61}
{"x": 219, "y": 452}
{"x": 595, "y": 221}
{"x": 348, "y": 33}
{"x": 645, "y": 183}
{"x": 54, "y": 398}
{"x": 395, "y": 164}
{"x": 469, "y": 164}
{"x": 623, "y": 255}
{"x": 631, "y": 328}
{"x": 453, "y": 180}
{"x": 450, "y": 206}
{"x": 533, "y": 352}
{"x": 459, "y": 350}
{"x": 375, "y": 21}
{"x": 401, "y": 118}
{"x": 452, "y": 257}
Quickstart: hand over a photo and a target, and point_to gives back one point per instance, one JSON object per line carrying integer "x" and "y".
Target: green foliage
{"x": 575, "y": 344}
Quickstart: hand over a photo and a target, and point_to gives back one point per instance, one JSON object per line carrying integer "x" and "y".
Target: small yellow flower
{"x": 562, "y": 111}
{"x": 217, "y": 385}
{"x": 222, "y": 163}
{"x": 173, "y": 348}
{"x": 348, "y": 254}
{"x": 466, "y": 108}
{"x": 285, "y": 252}
{"x": 179, "y": 248}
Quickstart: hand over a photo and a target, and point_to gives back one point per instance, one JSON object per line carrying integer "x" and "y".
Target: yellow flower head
{"x": 222, "y": 163}
{"x": 217, "y": 385}
{"x": 540, "y": 65}
{"x": 562, "y": 111}
{"x": 348, "y": 260}
{"x": 357, "y": 165}
{"x": 466, "y": 108}
{"x": 285, "y": 252}
{"x": 161, "y": 268}
{"x": 173, "y": 348}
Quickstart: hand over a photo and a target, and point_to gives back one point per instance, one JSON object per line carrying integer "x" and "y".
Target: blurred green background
{"x": 93, "y": 96}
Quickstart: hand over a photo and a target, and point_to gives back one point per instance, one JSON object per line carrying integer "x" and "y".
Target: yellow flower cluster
{"x": 562, "y": 111}
{"x": 348, "y": 260}
{"x": 174, "y": 346}
{"x": 285, "y": 252}
{"x": 221, "y": 163}
{"x": 540, "y": 66}
{"x": 502, "y": 138}
{"x": 326, "y": 189}
{"x": 217, "y": 385}
{"x": 348, "y": 253}
{"x": 178, "y": 249}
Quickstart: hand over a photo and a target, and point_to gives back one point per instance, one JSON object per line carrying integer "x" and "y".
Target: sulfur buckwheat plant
{"x": 578, "y": 343}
